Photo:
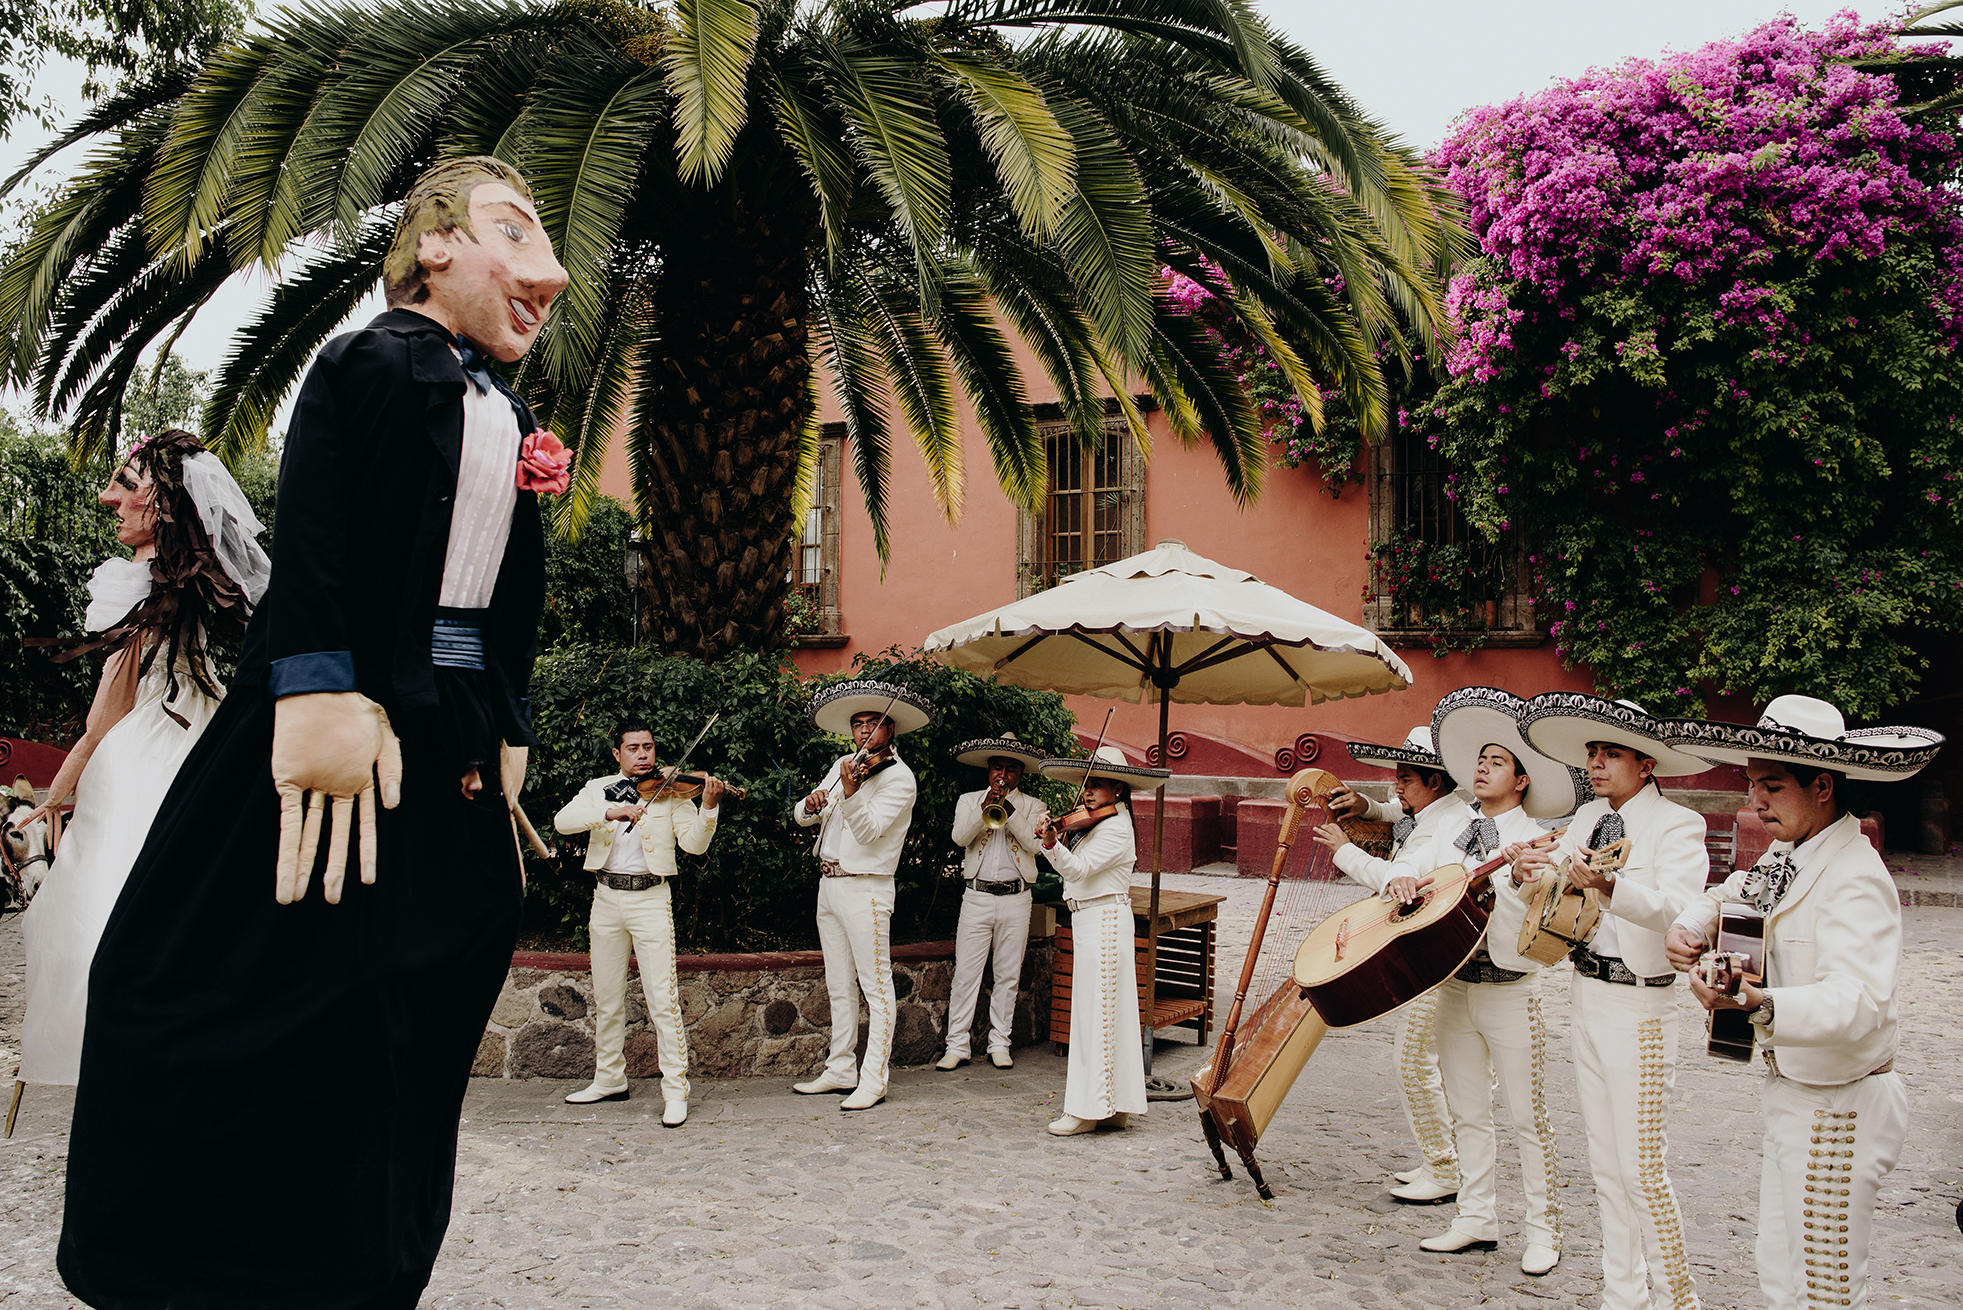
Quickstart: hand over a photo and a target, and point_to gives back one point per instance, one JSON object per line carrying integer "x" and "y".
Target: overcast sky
{"x": 1416, "y": 65}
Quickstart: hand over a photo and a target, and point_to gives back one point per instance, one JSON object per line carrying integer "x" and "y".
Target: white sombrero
{"x": 1109, "y": 762}
{"x": 1810, "y": 732}
{"x": 1473, "y": 718}
{"x": 1562, "y": 723}
{"x": 983, "y": 749}
{"x": 832, "y": 709}
{"x": 1417, "y": 752}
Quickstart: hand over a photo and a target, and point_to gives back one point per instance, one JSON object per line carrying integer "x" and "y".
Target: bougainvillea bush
{"x": 1708, "y": 360}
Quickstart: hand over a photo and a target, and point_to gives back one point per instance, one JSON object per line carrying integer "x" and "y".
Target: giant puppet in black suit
{"x": 270, "y": 1082}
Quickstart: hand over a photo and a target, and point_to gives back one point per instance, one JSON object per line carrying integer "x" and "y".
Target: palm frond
{"x": 963, "y": 321}
{"x": 817, "y": 138}
{"x": 1034, "y": 157}
{"x": 892, "y": 132}
{"x": 888, "y": 314}
{"x": 707, "y": 62}
{"x": 1106, "y": 236}
{"x": 849, "y": 357}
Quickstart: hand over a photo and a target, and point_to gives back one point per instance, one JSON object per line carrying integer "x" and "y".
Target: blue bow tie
{"x": 1480, "y": 839}
{"x": 478, "y": 369}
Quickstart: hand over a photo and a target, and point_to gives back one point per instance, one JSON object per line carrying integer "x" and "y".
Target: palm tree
{"x": 742, "y": 189}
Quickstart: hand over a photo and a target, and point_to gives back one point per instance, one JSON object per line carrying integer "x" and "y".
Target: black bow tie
{"x": 1608, "y": 828}
{"x": 1400, "y": 832}
{"x": 1769, "y": 880}
{"x": 1480, "y": 839}
{"x": 478, "y": 369}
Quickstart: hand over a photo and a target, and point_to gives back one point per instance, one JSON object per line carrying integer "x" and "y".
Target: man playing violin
{"x": 637, "y": 820}
{"x": 996, "y": 829}
{"x": 862, "y": 810}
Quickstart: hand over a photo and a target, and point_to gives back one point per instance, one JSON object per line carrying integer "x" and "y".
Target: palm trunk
{"x": 715, "y": 450}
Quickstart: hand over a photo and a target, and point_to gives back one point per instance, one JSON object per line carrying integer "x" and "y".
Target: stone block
{"x": 1192, "y": 831}
{"x": 513, "y": 1008}
{"x": 816, "y": 1007}
{"x": 729, "y": 1021}
{"x": 916, "y": 1036}
{"x": 548, "y": 1049}
{"x": 697, "y": 998}
{"x": 790, "y": 1057}
{"x": 562, "y": 1001}
{"x": 489, "y": 1061}
{"x": 779, "y": 1016}
{"x": 643, "y": 1052}
{"x": 933, "y": 980}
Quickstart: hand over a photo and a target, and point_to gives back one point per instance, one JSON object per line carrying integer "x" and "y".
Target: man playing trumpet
{"x": 996, "y": 829}
{"x": 631, "y": 855}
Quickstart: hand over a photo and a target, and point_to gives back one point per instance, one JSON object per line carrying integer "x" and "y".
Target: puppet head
{"x": 470, "y": 253}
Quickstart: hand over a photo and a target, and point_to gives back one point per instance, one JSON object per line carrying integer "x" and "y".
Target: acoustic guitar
{"x": 1563, "y": 916}
{"x": 1372, "y": 956}
{"x": 1739, "y": 958}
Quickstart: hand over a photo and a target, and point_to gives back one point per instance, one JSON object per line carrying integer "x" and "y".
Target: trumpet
{"x": 995, "y": 811}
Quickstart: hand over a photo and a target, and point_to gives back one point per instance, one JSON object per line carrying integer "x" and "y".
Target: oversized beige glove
{"x": 329, "y": 746}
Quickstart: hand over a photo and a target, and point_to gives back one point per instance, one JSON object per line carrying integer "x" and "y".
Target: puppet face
{"x": 133, "y": 495}
{"x": 493, "y": 288}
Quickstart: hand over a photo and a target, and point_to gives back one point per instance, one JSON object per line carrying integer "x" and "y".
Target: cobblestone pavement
{"x": 951, "y": 1195}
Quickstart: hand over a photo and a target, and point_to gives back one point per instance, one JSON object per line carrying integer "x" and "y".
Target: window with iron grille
{"x": 1430, "y": 570}
{"x": 1093, "y": 509}
{"x": 814, "y": 566}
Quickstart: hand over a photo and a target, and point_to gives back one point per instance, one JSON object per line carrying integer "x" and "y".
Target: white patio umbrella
{"x": 1169, "y": 625}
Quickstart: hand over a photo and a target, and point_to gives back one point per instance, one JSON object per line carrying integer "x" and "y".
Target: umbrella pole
{"x": 1158, "y": 858}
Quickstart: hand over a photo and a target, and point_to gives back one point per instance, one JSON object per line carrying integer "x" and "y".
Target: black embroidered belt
{"x": 457, "y": 640}
{"x": 999, "y": 887}
{"x": 1481, "y": 969}
{"x": 630, "y": 882}
{"x": 1607, "y": 968}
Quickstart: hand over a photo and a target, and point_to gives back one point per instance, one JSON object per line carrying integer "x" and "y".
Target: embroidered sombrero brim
{"x": 832, "y": 709}
{"x": 1562, "y": 723}
{"x": 1138, "y": 775}
{"x": 1869, "y": 754}
{"x": 1389, "y": 757}
{"x": 983, "y": 749}
{"x": 1473, "y": 718}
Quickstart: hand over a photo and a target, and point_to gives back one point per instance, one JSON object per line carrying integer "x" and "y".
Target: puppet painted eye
{"x": 512, "y": 231}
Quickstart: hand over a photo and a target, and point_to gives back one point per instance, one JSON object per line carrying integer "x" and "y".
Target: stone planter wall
{"x": 762, "y": 1016}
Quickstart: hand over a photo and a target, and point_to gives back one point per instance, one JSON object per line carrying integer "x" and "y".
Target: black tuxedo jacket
{"x": 366, "y": 486}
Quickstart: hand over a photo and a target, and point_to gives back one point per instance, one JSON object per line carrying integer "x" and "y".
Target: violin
{"x": 1080, "y": 820}
{"x": 681, "y": 787}
{"x": 863, "y": 766}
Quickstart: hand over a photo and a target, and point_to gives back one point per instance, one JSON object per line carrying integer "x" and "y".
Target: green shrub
{"x": 755, "y": 888}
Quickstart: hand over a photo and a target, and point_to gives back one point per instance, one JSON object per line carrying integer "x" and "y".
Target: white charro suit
{"x": 641, "y": 922}
{"x": 1624, "y": 1039}
{"x": 1486, "y": 1027}
{"x": 1834, "y": 1123}
{"x": 1106, "y": 1075}
{"x": 1425, "y": 1108}
{"x": 993, "y": 928}
{"x": 867, "y": 830}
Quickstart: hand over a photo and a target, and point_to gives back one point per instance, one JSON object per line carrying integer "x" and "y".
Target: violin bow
{"x": 1089, "y": 764}
{"x": 687, "y": 751}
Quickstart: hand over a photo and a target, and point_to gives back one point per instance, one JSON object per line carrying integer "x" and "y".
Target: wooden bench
{"x": 1184, "y": 995}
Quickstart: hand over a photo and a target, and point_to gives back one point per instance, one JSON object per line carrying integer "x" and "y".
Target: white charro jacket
{"x": 665, "y": 825}
{"x": 1664, "y": 872}
{"x": 1509, "y": 903}
{"x": 1447, "y": 811}
{"x": 1833, "y": 957}
{"x": 972, "y": 837}
{"x": 875, "y": 817}
{"x": 1102, "y": 862}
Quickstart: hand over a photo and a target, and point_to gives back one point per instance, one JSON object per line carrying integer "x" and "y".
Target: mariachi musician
{"x": 1488, "y": 1019}
{"x": 1093, "y": 848}
{"x": 863, "y": 809}
{"x": 631, "y": 855}
{"x": 1622, "y": 1025}
{"x": 1426, "y": 801}
{"x": 995, "y": 828}
{"x": 1836, "y": 1114}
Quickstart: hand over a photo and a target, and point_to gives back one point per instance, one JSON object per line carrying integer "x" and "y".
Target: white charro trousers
{"x": 993, "y": 930}
{"x": 855, "y": 920}
{"x": 1483, "y": 1029}
{"x": 1106, "y": 1075}
{"x": 1826, "y": 1150}
{"x": 1425, "y": 1107}
{"x": 1624, "y": 1040}
{"x": 643, "y": 923}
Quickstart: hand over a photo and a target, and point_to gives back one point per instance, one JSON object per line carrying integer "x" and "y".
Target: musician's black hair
{"x": 1435, "y": 779}
{"x": 632, "y": 725}
{"x": 1848, "y": 794}
{"x": 1124, "y": 789}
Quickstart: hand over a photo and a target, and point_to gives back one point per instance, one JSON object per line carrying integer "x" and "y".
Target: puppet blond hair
{"x": 439, "y": 201}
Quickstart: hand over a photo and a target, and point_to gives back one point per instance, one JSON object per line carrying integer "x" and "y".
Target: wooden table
{"x": 1184, "y": 995}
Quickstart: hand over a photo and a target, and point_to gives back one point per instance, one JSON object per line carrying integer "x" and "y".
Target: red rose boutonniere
{"x": 544, "y": 464}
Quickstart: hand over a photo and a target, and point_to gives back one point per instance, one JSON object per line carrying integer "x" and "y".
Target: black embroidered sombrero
{"x": 983, "y": 749}
{"x": 1562, "y": 723}
{"x": 1109, "y": 762}
{"x": 1473, "y": 718}
{"x": 1417, "y": 751}
{"x": 832, "y": 709}
{"x": 1811, "y": 732}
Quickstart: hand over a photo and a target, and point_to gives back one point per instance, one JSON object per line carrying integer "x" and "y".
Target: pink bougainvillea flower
{"x": 544, "y": 464}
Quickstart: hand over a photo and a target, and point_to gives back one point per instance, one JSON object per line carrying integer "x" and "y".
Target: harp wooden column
{"x": 1183, "y": 995}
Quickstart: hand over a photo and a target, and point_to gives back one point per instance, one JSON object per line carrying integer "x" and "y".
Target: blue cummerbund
{"x": 458, "y": 639}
